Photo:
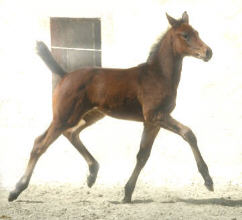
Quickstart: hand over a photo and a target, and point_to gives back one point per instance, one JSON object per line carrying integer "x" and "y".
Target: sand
{"x": 70, "y": 201}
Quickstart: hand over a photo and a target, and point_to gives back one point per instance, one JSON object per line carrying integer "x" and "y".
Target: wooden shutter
{"x": 76, "y": 42}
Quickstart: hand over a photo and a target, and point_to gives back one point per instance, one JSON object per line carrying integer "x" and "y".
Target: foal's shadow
{"x": 29, "y": 201}
{"x": 137, "y": 201}
{"x": 212, "y": 201}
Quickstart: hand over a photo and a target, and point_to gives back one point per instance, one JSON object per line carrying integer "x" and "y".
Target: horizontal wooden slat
{"x": 68, "y": 48}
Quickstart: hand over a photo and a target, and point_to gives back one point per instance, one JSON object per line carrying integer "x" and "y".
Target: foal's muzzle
{"x": 208, "y": 54}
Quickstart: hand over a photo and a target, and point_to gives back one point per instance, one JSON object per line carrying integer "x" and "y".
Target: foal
{"x": 145, "y": 93}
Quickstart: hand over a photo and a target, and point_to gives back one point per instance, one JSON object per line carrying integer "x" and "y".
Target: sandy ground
{"x": 66, "y": 201}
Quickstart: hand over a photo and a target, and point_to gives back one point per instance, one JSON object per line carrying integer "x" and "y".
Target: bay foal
{"x": 145, "y": 93}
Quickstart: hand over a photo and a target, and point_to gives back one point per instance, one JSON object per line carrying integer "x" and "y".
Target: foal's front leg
{"x": 187, "y": 134}
{"x": 149, "y": 133}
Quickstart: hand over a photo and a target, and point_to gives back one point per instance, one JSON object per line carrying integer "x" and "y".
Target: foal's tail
{"x": 49, "y": 60}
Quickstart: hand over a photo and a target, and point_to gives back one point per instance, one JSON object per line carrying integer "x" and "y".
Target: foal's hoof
{"x": 126, "y": 200}
{"x": 91, "y": 179}
{"x": 209, "y": 186}
{"x": 12, "y": 196}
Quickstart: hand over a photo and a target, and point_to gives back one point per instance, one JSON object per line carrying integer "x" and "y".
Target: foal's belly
{"x": 130, "y": 110}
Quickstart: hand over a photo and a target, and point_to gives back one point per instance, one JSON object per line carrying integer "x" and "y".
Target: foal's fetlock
{"x": 93, "y": 169}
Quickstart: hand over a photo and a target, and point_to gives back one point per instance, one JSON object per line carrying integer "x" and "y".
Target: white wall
{"x": 209, "y": 99}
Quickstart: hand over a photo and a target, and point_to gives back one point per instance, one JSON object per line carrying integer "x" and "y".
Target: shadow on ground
{"x": 133, "y": 202}
{"x": 213, "y": 201}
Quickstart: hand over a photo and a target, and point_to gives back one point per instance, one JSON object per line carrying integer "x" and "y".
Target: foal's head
{"x": 186, "y": 41}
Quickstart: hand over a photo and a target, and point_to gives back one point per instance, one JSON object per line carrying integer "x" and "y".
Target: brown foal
{"x": 145, "y": 93}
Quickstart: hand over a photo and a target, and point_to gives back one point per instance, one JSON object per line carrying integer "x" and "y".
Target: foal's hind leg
{"x": 187, "y": 134}
{"x": 72, "y": 135}
{"x": 40, "y": 146}
{"x": 149, "y": 133}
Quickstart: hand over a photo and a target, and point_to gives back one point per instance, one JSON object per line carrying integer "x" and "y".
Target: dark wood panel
{"x": 61, "y": 58}
{"x": 97, "y": 30}
{"x": 98, "y": 58}
{"x": 75, "y": 59}
{"x": 76, "y": 33}
{"x": 76, "y": 43}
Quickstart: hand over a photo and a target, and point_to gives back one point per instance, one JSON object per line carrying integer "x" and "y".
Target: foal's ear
{"x": 185, "y": 17}
{"x": 172, "y": 21}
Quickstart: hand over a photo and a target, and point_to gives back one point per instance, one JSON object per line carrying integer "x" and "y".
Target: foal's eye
{"x": 185, "y": 36}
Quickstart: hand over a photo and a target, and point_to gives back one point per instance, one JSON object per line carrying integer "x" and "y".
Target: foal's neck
{"x": 168, "y": 62}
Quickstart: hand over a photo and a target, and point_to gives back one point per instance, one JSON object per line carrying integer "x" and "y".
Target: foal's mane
{"x": 155, "y": 49}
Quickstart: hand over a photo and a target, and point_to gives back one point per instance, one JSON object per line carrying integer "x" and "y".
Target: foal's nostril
{"x": 209, "y": 54}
